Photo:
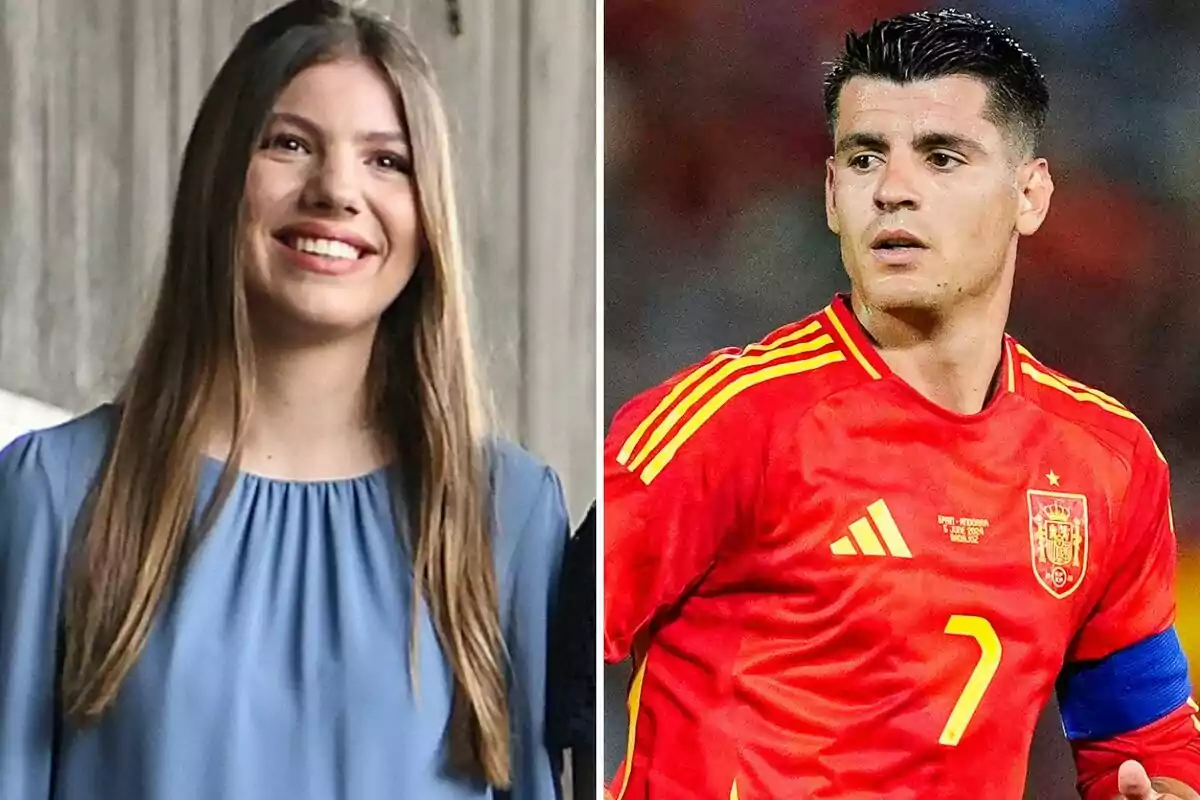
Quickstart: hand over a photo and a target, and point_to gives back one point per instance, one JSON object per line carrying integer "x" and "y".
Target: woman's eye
{"x": 288, "y": 142}
{"x": 394, "y": 162}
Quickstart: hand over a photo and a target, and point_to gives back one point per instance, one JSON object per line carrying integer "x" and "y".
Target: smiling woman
{"x": 292, "y": 561}
{"x": 330, "y": 195}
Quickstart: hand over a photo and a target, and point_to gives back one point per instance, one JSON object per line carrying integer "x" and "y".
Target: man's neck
{"x": 951, "y": 359}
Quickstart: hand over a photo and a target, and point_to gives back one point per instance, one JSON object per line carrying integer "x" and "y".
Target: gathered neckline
{"x": 216, "y": 466}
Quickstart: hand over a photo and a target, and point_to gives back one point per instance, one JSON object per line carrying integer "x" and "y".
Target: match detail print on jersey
{"x": 963, "y": 530}
{"x": 702, "y": 392}
{"x": 869, "y": 544}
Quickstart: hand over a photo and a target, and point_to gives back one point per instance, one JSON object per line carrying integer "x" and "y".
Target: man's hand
{"x": 1134, "y": 784}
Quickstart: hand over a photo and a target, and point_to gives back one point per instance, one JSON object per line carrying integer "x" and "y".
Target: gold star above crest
{"x": 1050, "y": 476}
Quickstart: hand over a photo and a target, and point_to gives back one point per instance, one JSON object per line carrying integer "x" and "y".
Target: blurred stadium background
{"x": 715, "y": 232}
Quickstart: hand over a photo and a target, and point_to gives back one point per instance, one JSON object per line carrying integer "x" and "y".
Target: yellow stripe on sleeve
{"x": 699, "y": 372}
{"x": 635, "y": 700}
{"x": 1011, "y": 358}
{"x": 1083, "y": 396}
{"x": 681, "y": 409}
{"x": 735, "y": 388}
{"x": 1087, "y": 396}
{"x": 1074, "y": 384}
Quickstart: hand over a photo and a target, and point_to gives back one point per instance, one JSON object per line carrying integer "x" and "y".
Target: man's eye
{"x": 943, "y": 160}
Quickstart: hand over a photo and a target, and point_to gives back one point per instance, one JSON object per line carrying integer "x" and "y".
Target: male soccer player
{"x": 854, "y": 559}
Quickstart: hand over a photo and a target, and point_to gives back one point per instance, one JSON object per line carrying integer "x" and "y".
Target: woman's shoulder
{"x": 512, "y": 460}
{"x": 527, "y": 496}
{"x": 519, "y": 479}
{"x": 45, "y": 476}
{"x": 76, "y": 442}
{"x": 58, "y": 463}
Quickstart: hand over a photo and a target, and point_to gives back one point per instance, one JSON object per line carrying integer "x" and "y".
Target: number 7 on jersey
{"x": 982, "y": 632}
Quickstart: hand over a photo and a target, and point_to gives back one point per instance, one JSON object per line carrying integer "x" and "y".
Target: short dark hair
{"x": 934, "y": 44}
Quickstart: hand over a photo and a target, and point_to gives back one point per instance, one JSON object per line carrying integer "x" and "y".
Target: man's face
{"x": 927, "y": 196}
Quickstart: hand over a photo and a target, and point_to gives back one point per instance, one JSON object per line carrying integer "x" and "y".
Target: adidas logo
{"x": 864, "y": 535}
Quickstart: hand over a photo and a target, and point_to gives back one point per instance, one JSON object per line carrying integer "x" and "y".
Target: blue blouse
{"x": 280, "y": 666}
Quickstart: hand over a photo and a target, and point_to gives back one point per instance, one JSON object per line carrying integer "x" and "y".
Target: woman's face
{"x": 332, "y": 229}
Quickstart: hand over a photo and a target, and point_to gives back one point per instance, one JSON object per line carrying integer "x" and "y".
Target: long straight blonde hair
{"x": 426, "y": 401}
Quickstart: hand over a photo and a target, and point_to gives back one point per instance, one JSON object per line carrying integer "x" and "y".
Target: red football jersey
{"x": 834, "y": 588}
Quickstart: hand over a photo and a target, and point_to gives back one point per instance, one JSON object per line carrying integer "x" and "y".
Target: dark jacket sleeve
{"x": 571, "y": 713}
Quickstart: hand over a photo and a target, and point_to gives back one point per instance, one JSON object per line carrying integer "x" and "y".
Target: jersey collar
{"x": 849, "y": 333}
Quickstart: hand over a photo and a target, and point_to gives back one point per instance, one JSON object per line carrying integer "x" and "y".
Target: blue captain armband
{"x": 1124, "y": 691}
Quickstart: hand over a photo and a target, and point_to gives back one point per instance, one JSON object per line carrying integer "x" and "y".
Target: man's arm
{"x": 677, "y": 483}
{"x": 1125, "y": 693}
{"x": 1134, "y": 704}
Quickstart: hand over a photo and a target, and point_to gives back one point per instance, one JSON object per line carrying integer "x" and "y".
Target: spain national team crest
{"x": 1058, "y": 539}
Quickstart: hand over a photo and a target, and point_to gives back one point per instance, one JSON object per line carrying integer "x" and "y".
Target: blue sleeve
{"x": 31, "y": 560}
{"x": 536, "y": 565}
{"x": 1124, "y": 691}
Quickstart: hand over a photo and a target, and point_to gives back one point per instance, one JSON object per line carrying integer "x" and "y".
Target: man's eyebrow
{"x": 947, "y": 141}
{"x": 923, "y": 142}
{"x": 854, "y": 141}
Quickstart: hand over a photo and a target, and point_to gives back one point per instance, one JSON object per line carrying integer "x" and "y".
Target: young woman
{"x": 288, "y": 561}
